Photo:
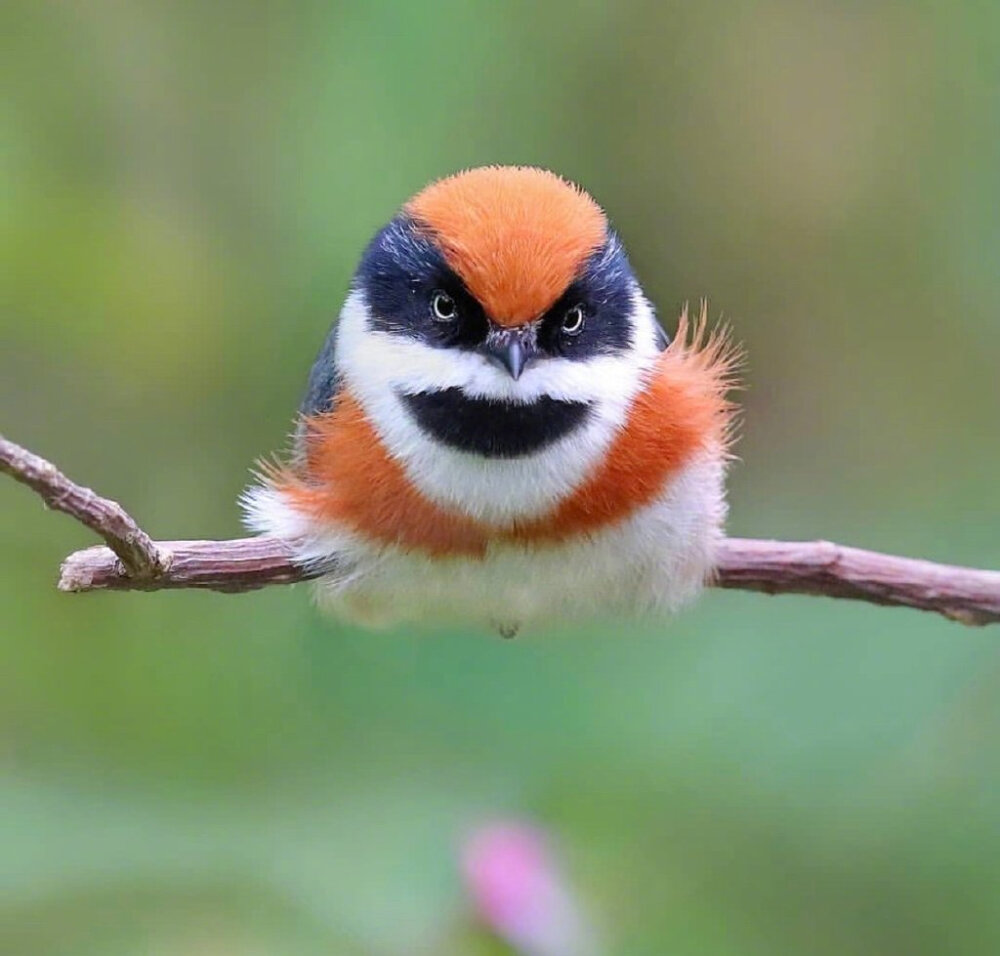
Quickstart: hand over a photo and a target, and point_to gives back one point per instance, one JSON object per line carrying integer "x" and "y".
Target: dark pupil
{"x": 573, "y": 320}
{"x": 444, "y": 306}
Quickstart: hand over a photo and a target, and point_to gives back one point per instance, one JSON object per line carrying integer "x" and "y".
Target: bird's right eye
{"x": 443, "y": 307}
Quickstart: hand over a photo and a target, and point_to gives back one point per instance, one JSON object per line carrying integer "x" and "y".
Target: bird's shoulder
{"x": 324, "y": 376}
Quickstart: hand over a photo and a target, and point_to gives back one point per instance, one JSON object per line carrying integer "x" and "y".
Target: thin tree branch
{"x": 967, "y": 595}
{"x": 141, "y": 558}
{"x": 240, "y": 564}
{"x": 134, "y": 562}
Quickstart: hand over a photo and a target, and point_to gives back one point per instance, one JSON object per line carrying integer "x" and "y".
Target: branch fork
{"x": 132, "y": 561}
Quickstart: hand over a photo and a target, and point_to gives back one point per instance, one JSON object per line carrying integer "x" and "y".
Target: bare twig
{"x": 141, "y": 558}
{"x": 241, "y": 564}
{"x": 820, "y": 568}
{"x": 967, "y": 595}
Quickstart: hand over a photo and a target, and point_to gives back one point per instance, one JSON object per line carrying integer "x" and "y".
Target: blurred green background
{"x": 187, "y": 187}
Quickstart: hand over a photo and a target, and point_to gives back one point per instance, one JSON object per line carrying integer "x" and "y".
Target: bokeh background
{"x": 186, "y": 188}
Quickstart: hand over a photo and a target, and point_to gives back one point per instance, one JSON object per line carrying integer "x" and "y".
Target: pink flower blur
{"x": 518, "y": 891}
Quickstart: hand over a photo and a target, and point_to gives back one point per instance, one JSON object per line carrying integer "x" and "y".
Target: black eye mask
{"x": 403, "y": 272}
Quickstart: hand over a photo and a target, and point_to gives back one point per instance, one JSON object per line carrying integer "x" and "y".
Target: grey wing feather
{"x": 321, "y": 388}
{"x": 322, "y": 385}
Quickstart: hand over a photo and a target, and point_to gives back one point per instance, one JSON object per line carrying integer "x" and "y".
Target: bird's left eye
{"x": 443, "y": 306}
{"x": 573, "y": 321}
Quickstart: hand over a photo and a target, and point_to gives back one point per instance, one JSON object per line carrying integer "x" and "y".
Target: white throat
{"x": 377, "y": 365}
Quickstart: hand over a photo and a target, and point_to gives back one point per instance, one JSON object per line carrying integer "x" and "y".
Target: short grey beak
{"x": 512, "y": 358}
{"x": 511, "y": 349}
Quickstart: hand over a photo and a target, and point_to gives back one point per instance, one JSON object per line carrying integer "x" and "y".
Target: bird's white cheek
{"x": 373, "y": 360}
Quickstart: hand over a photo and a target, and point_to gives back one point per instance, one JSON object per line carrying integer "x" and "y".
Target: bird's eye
{"x": 572, "y": 323}
{"x": 443, "y": 306}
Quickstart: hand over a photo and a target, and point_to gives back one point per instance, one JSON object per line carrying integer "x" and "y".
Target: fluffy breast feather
{"x": 348, "y": 479}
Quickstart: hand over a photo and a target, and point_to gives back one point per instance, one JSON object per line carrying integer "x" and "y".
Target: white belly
{"x": 656, "y": 560}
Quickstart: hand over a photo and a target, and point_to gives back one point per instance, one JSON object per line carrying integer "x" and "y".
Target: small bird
{"x": 497, "y": 431}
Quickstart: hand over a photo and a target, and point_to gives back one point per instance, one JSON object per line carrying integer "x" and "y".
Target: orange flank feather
{"x": 516, "y": 236}
{"x": 349, "y": 478}
{"x": 682, "y": 411}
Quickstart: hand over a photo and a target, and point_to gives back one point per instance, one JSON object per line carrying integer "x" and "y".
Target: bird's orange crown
{"x": 516, "y": 235}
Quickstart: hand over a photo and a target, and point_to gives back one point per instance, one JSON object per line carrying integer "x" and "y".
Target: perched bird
{"x": 497, "y": 430}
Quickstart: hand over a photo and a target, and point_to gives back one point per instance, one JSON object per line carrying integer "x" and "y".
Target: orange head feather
{"x": 516, "y": 236}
